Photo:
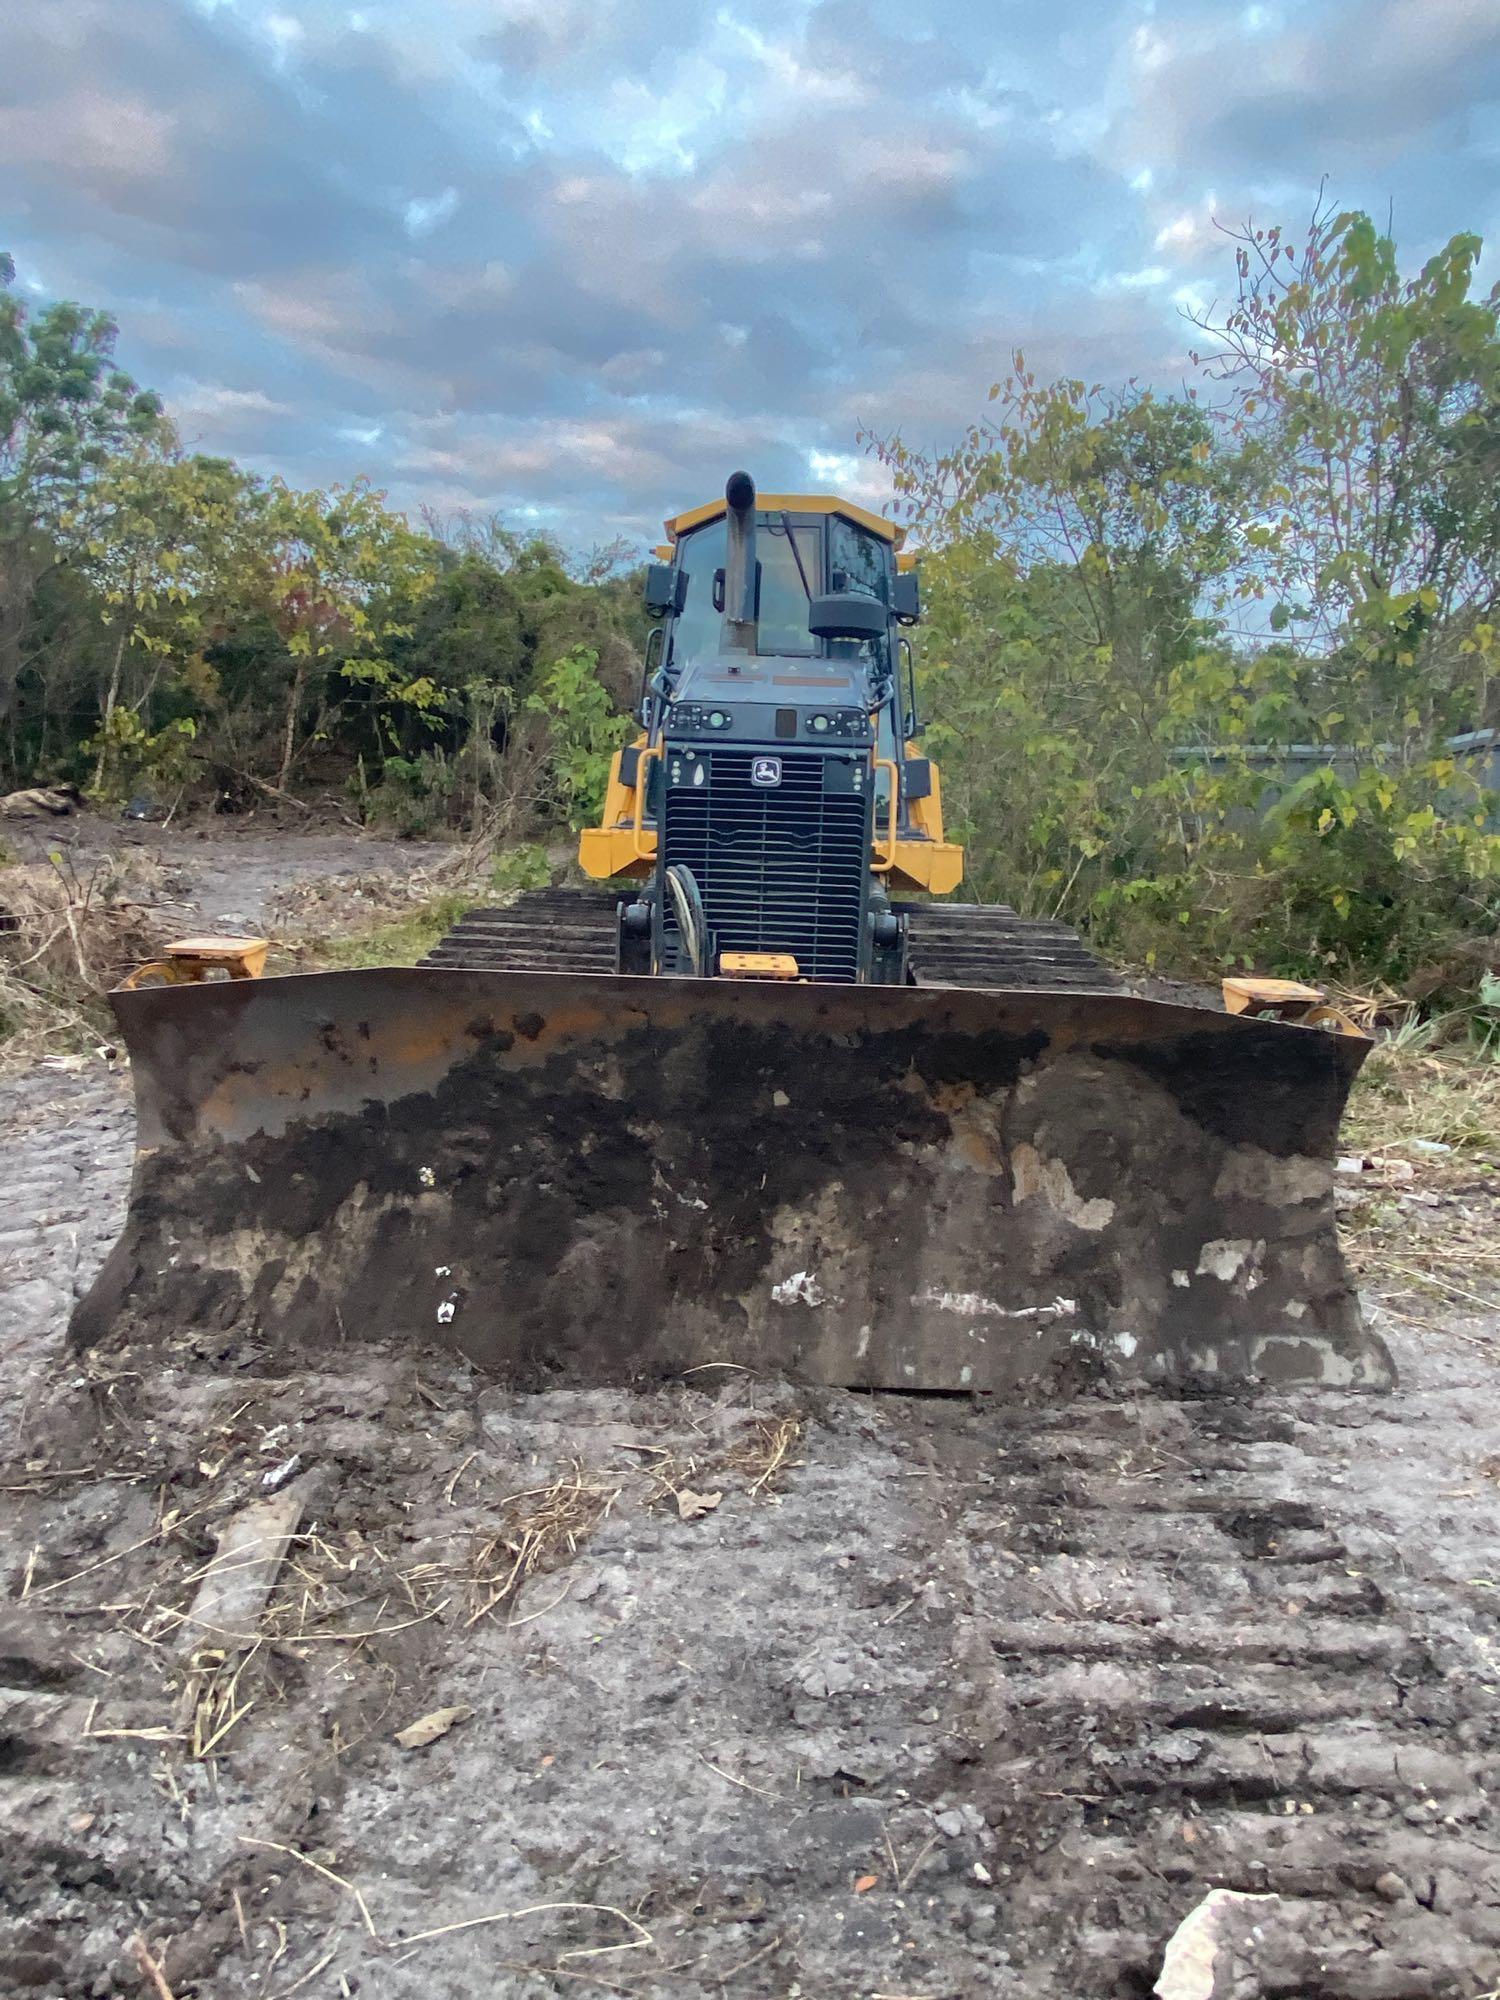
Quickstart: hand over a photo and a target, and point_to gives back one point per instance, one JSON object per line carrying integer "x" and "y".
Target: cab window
{"x": 785, "y": 587}
{"x": 701, "y": 554}
{"x": 860, "y": 561}
{"x": 790, "y": 574}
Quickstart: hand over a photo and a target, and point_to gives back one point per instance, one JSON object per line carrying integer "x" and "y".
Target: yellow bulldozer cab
{"x": 909, "y": 849}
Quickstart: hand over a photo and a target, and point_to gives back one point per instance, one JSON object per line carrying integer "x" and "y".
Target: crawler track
{"x": 988, "y": 945}
{"x": 543, "y": 930}
{"x": 952, "y": 944}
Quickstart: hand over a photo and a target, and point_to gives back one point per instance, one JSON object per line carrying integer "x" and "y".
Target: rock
{"x": 1213, "y": 1953}
{"x": 950, "y": 1823}
{"x": 1177, "y": 1747}
{"x": 1391, "y": 1886}
{"x": 825, "y": 1677}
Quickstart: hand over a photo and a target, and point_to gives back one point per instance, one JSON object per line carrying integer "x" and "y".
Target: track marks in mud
{"x": 1210, "y": 1690}
{"x": 1046, "y": 1678}
{"x": 67, "y": 1167}
{"x": 1055, "y": 1645}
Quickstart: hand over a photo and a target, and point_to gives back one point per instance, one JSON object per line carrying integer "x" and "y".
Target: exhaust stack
{"x": 738, "y": 634}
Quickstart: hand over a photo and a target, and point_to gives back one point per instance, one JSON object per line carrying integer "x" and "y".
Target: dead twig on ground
{"x": 744, "y": 1783}
{"x": 151, "y": 1970}
{"x": 307, "y": 1977}
{"x": 640, "y": 1941}
{"x": 317, "y": 1868}
{"x": 169, "y": 1526}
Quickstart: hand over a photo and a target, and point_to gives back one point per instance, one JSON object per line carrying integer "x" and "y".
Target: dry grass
{"x": 540, "y": 1528}
{"x": 67, "y": 937}
{"x": 764, "y": 1454}
{"x": 1408, "y": 1095}
{"x": 378, "y": 918}
{"x": 212, "y": 1700}
{"x": 383, "y": 917}
{"x": 1436, "y": 1231}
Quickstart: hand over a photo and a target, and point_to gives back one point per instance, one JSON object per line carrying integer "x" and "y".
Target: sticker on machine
{"x": 765, "y": 771}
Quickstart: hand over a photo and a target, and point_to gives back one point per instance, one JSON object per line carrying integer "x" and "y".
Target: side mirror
{"x": 666, "y": 589}
{"x": 844, "y": 614}
{"x": 906, "y": 600}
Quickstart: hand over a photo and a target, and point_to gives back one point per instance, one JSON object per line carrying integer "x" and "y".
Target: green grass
{"x": 398, "y": 941}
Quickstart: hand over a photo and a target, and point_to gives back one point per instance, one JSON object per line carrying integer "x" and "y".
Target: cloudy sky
{"x": 574, "y": 260}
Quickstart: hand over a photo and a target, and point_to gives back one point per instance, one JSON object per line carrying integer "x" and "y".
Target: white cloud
{"x": 584, "y": 258}
{"x": 214, "y": 417}
{"x": 865, "y": 481}
{"x": 425, "y": 213}
{"x": 1150, "y": 49}
{"x": 210, "y": 401}
{"x": 794, "y": 80}
{"x": 1190, "y": 236}
{"x": 286, "y": 34}
{"x": 651, "y": 130}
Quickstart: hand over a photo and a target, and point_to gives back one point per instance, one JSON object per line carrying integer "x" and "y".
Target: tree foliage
{"x": 1194, "y": 664}
{"x": 64, "y": 410}
{"x": 171, "y": 623}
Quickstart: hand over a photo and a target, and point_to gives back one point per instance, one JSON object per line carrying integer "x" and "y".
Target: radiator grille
{"x": 781, "y": 867}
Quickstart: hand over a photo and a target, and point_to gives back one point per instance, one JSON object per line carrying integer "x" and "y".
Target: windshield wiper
{"x": 786, "y": 522}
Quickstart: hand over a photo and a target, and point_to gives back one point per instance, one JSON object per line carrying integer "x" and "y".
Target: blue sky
{"x": 574, "y": 261}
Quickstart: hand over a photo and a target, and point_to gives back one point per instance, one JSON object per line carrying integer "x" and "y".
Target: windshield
{"x": 784, "y": 588}
{"x": 790, "y": 556}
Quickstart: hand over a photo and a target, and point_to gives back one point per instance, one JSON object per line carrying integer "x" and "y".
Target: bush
{"x": 522, "y": 867}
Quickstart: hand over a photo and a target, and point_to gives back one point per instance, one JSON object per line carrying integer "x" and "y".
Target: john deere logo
{"x": 765, "y": 771}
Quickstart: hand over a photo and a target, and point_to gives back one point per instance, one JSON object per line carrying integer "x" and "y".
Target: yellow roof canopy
{"x": 792, "y": 503}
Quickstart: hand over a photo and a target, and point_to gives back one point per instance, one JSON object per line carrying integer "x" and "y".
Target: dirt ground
{"x": 758, "y": 1692}
{"x": 234, "y": 873}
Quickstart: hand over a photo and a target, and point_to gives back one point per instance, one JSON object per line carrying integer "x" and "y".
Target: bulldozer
{"x": 761, "y": 1095}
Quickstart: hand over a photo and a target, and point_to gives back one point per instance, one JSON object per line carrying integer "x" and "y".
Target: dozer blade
{"x": 574, "y": 1177}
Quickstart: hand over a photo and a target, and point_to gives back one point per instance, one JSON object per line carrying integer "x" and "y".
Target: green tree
{"x": 1113, "y": 584}
{"x": 1376, "y": 399}
{"x": 585, "y": 730}
{"x": 1079, "y": 538}
{"x": 335, "y": 568}
{"x": 159, "y": 537}
{"x": 64, "y": 409}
